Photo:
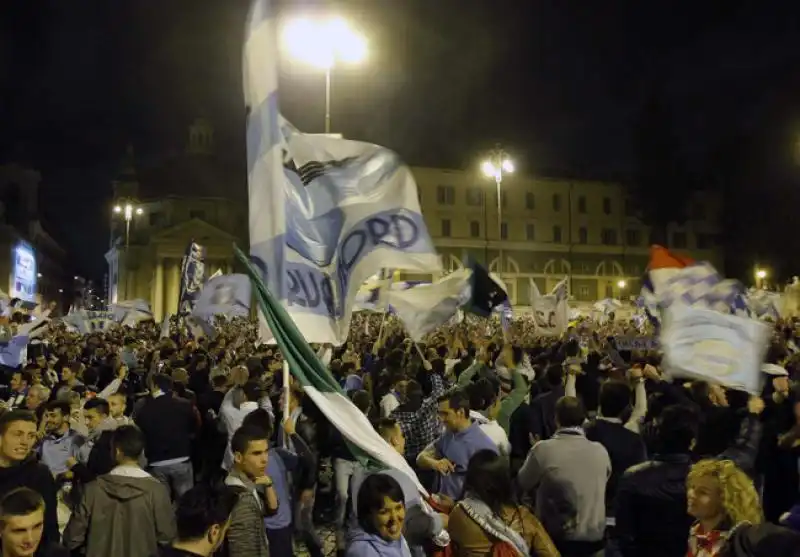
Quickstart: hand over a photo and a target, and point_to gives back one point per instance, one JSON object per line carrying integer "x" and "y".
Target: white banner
{"x": 719, "y": 348}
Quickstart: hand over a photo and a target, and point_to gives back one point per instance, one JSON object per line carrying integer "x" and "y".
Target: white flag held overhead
{"x": 325, "y": 213}
{"x": 428, "y": 306}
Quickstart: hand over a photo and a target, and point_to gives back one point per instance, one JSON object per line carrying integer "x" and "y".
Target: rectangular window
{"x": 530, "y": 201}
{"x": 585, "y": 269}
{"x": 583, "y": 292}
{"x": 504, "y": 231}
{"x": 607, "y": 205}
{"x": 583, "y": 235}
{"x": 155, "y": 218}
{"x": 632, "y": 237}
{"x": 582, "y": 204}
{"x": 679, "y": 240}
{"x": 557, "y": 234}
{"x": 474, "y": 196}
{"x": 445, "y": 195}
{"x": 556, "y": 202}
{"x": 475, "y": 229}
{"x": 609, "y": 237}
{"x": 446, "y": 228}
{"x": 530, "y": 232}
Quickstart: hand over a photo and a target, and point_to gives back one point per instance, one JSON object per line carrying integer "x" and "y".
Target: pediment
{"x": 194, "y": 229}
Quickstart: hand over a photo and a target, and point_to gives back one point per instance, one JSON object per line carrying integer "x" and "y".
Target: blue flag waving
{"x": 325, "y": 213}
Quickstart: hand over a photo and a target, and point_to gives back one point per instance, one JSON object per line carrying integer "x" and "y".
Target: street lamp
{"x": 495, "y": 167}
{"x": 322, "y": 43}
{"x": 128, "y": 211}
{"x": 761, "y": 274}
{"x": 622, "y": 284}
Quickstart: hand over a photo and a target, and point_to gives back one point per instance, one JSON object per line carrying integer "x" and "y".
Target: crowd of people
{"x": 133, "y": 443}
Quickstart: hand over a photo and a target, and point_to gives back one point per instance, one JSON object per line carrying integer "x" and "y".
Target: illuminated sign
{"x": 23, "y": 273}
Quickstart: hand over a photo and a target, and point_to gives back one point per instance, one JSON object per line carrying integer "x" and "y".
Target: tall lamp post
{"x": 323, "y": 43}
{"x": 495, "y": 167}
{"x": 127, "y": 211}
{"x": 761, "y": 274}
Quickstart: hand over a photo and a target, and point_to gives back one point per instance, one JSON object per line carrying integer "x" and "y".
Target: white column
{"x": 157, "y": 304}
{"x": 173, "y": 285}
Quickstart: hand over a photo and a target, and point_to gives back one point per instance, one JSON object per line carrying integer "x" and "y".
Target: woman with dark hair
{"x": 489, "y": 516}
{"x": 381, "y": 514}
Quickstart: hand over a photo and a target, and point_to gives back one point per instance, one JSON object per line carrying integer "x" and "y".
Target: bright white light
{"x": 348, "y": 45}
{"x": 60, "y": 290}
{"x": 761, "y": 273}
{"x": 508, "y": 166}
{"x": 322, "y": 43}
{"x": 117, "y": 209}
{"x": 622, "y": 284}
{"x": 38, "y": 275}
{"x": 489, "y": 169}
{"x": 139, "y": 211}
{"x": 76, "y": 277}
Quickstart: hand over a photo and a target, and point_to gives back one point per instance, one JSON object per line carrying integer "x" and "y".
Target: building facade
{"x": 33, "y": 266}
{"x": 194, "y": 196}
{"x": 551, "y": 228}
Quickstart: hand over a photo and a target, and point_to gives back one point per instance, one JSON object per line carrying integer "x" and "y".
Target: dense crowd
{"x": 131, "y": 443}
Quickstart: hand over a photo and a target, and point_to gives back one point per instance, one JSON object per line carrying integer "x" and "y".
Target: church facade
{"x": 193, "y": 196}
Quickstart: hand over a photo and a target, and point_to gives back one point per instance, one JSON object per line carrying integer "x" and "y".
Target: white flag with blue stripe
{"x": 325, "y": 213}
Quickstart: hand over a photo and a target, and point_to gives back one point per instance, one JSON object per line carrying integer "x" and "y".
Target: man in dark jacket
{"x": 18, "y": 468}
{"x": 168, "y": 424}
{"x": 651, "y": 515}
{"x": 625, "y": 447}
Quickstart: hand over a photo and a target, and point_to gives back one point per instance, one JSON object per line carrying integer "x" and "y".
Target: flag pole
{"x": 286, "y": 394}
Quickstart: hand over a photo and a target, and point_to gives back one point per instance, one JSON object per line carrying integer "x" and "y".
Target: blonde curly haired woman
{"x": 722, "y": 498}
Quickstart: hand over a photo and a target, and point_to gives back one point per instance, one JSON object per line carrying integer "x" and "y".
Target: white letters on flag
{"x": 325, "y": 213}
{"x": 550, "y": 312}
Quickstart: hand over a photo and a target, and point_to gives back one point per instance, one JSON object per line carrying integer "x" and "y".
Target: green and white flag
{"x": 321, "y": 387}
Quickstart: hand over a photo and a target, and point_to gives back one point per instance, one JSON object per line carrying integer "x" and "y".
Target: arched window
{"x": 510, "y": 265}
{"x": 609, "y": 269}
{"x": 557, "y": 267}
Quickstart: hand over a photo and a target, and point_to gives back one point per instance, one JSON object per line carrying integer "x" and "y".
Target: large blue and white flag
{"x": 227, "y": 295}
{"x": 325, "y": 213}
{"x": 426, "y": 307}
{"x": 193, "y": 276}
{"x": 716, "y": 347}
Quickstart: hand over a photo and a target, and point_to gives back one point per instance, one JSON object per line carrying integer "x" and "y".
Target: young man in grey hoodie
{"x": 125, "y": 513}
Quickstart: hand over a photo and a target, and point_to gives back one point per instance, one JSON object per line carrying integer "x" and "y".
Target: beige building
{"x": 192, "y": 196}
{"x": 552, "y": 228}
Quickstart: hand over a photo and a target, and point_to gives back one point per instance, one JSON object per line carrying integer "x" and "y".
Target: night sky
{"x": 679, "y": 92}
